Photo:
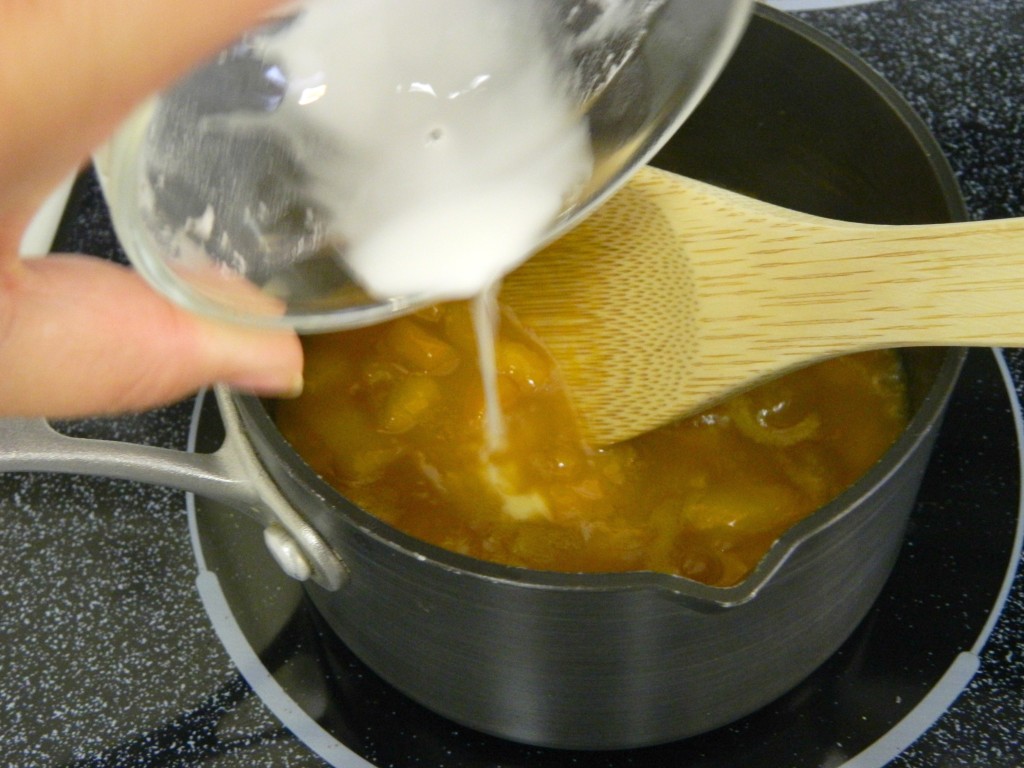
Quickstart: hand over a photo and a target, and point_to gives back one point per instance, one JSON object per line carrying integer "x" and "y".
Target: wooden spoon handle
{"x": 814, "y": 285}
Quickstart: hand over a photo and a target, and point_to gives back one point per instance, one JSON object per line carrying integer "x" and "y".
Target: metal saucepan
{"x": 614, "y": 660}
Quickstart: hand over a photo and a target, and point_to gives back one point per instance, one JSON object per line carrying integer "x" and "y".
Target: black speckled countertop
{"x": 109, "y": 657}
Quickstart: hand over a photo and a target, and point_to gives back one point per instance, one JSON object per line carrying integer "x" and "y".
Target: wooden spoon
{"x": 676, "y": 294}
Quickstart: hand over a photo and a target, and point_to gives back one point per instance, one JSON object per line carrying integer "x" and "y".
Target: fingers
{"x": 77, "y": 335}
{"x": 81, "y": 336}
{"x": 70, "y": 71}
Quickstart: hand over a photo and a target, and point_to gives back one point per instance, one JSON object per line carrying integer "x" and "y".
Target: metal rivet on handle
{"x": 287, "y": 552}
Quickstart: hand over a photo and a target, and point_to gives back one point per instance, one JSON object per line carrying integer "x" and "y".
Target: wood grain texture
{"x": 676, "y": 294}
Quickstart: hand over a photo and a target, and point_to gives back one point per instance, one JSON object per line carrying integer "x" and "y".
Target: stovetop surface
{"x": 109, "y": 655}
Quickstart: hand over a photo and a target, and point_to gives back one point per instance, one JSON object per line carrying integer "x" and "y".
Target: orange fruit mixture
{"x": 393, "y": 417}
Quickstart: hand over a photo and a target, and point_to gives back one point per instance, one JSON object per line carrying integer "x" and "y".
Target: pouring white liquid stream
{"x": 485, "y": 324}
{"x": 450, "y": 163}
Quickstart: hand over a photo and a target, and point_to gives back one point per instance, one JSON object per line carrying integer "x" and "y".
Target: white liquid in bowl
{"x": 418, "y": 150}
{"x": 456, "y": 134}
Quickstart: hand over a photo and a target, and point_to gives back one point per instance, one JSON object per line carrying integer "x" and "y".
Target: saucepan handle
{"x": 232, "y": 474}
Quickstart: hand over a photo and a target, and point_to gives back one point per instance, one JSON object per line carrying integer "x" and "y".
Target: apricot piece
{"x": 408, "y": 402}
{"x": 525, "y": 367}
{"x": 420, "y": 350}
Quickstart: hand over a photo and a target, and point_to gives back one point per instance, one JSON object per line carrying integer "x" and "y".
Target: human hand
{"x": 80, "y": 335}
